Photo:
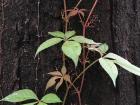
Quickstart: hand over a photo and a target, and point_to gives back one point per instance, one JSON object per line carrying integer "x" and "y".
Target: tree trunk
{"x": 126, "y": 43}
{"x": 24, "y": 25}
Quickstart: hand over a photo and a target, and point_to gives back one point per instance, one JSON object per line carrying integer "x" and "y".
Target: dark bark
{"x": 124, "y": 32}
{"x": 19, "y": 39}
{"x": 136, "y": 46}
{"x": 117, "y": 24}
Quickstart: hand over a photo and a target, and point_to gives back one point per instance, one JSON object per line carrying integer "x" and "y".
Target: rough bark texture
{"x": 19, "y": 40}
{"x": 21, "y": 31}
{"x": 136, "y": 44}
{"x": 126, "y": 38}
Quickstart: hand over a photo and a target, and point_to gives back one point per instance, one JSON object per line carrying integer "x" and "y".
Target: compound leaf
{"x": 124, "y": 63}
{"x": 69, "y": 34}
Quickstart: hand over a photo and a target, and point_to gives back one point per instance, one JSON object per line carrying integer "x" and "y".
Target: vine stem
{"x": 38, "y": 35}
{"x": 85, "y": 70}
{"x": 91, "y": 11}
{"x": 67, "y": 90}
{"x": 66, "y": 17}
{"x": 66, "y": 28}
{"x": 78, "y": 93}
{"x": 84, "y": 55}
{"x": 65, "y": 97}
{"x": 66, "y": 25}
{"x": 78, "y": 4}
{"x": 84, "y": 33}
{"x": 63, "y": 58}
{"x": 84, "y": 61}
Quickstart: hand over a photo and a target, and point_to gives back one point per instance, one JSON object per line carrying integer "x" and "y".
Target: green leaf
{"x": 57, "y": 34}
{"x": 69, "y": 34}
{"x": 82, "y": 39}
{"x": 103, "y": 48}
{"x": 51, "y": 98}
{"x": 20, "y": 95}
{"x": 110, "y": 68}
{"x": 72, "y": 49}
{"x": 124, "y": 63}
{"x": 48, "y": 44}
{"x": 30, "y": 103}
{"x": 42, "y": 103}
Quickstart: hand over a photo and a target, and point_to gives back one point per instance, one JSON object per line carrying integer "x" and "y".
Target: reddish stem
{"x": 79, "y": 98}
{"x": 84, "y": 63}
{"x": 91, "y": 11}
{"x": 85, "y": 25}
{"x": 84, "y": 33}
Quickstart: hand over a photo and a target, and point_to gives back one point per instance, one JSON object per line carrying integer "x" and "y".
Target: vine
{"x": 73, "y": 46}
{"x": 38, "y": 39}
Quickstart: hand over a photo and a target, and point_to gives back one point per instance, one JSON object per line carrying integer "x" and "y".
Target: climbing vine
{"x": 72, "y": 47}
